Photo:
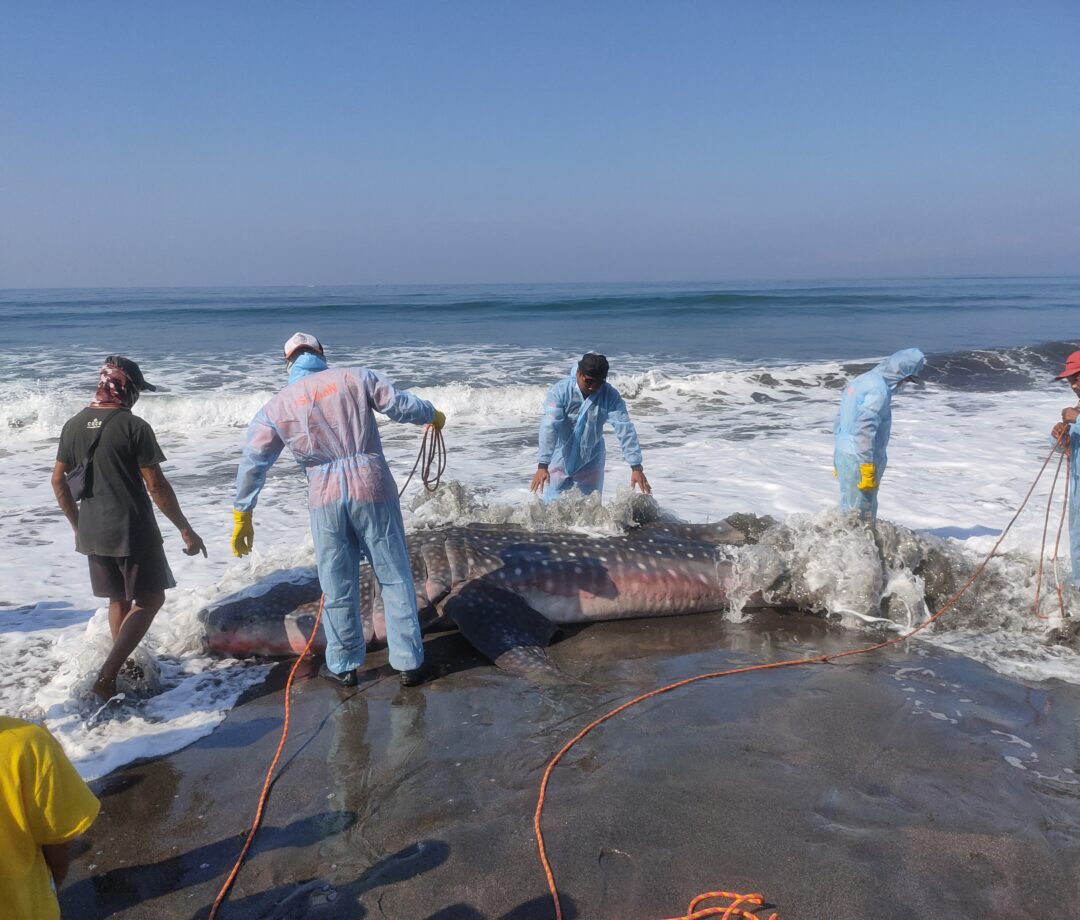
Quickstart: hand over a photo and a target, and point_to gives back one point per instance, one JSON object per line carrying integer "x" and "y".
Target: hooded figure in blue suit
{"x": 1067, "y": 431}
{"x": 572, "y": 452}
{"x": 862, "y": 429}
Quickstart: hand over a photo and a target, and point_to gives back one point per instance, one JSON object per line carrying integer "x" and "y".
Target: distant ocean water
{"x": 748, "y": 322}
{"x": 733, "y": 389}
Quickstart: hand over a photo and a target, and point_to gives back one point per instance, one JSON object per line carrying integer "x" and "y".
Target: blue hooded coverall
{"x": 326, "y": 419}
{"x": 863, "y": 425}
{"x": 572, "y": 436}
{"x": 1074, "y": 500}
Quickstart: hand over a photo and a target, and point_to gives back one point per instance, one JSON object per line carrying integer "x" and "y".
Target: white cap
{"x": 301, "y": 340}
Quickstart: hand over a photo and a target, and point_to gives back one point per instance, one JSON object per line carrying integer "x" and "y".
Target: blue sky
{"x": 332, "y": 143}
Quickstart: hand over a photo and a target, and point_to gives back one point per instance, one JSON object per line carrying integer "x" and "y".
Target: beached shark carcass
{"x": 506, "y": 589}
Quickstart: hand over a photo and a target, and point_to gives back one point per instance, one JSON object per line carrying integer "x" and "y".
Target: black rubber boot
{"x": 413, "y": 677}
{"x": 344, "y": 679}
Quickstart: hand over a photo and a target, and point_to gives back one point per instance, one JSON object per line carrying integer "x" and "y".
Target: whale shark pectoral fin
{"x": 501, "y": 626}
{"x": 532, "y": 663}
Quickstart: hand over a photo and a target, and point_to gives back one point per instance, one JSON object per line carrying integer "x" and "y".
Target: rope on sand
{"x": 735, "y": 910}
{"x": 269, "y": 773}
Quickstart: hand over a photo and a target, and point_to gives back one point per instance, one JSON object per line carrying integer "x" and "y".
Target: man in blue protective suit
{"x": 325, "y": 417}
{"x": 862, "y": 429}
{"x": 1066, "y": 431}
{"x": 572, "y": 452}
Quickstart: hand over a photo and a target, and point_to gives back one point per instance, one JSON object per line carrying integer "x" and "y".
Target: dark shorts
{"x": 130, "y": 577}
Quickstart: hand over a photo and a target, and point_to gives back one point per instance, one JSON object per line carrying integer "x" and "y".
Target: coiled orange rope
{"x": 735, "y": 909}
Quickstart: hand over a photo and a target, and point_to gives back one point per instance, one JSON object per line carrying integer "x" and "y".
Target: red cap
{"x": 1072, "y": 366}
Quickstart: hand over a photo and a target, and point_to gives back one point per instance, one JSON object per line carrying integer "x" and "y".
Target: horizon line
{"x": 446, "y": 284}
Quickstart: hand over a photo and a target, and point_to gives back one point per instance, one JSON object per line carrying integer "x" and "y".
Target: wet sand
{"x": 906, "y": 784}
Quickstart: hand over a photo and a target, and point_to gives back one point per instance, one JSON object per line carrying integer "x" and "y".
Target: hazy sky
{"x": 219, "y": 143}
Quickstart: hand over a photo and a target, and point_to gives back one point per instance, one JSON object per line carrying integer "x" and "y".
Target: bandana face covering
{"x": 115, "y": 390}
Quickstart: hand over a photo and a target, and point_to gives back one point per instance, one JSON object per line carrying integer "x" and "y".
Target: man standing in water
{"x": 1067, "y": 434}
{"x": 572, "y": 452}
{"x": 325, "y": 417}
{"x": 862, "y": 429}
{"x": 113, "y": 519}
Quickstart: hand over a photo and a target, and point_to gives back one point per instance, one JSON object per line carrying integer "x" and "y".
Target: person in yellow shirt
{"x": 44, "y": 805}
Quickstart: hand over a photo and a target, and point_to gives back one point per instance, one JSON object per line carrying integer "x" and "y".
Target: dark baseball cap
{"x": 131, "y": 369}
{"x": 593, "y": 365}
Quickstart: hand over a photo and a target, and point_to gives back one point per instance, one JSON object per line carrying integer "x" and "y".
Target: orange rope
{"x": 269, "y": 773}
{"x": 734, "y": 910}
{"x": 770, "y": 666}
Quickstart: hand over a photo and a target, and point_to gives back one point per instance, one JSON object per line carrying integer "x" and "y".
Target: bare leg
{"x": 132, "y": 628}
{"x": 118, "y": 609}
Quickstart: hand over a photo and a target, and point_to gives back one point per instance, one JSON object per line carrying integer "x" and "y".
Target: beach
{"x": 906, "y": 783}
{"x": 789, "y": 292}
{"x": 934, "y": 779}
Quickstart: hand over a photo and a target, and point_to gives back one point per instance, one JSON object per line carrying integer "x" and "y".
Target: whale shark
{"x": 507, "y": 590}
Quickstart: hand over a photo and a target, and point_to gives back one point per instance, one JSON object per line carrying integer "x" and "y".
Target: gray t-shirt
{"x": 117, "y": 518}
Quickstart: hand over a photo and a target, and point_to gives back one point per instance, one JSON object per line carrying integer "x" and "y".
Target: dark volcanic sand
{"x": 906, "y": 784}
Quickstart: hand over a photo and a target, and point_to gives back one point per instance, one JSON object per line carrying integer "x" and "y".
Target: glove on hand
{"x": 243, "y": 534}
{"x": 438, "y": 420}
{"x": 868, "y": 481}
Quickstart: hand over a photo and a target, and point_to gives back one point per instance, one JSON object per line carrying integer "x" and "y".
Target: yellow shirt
{"x": 42, "y": 801}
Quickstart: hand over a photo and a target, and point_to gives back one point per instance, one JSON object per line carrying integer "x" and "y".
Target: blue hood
{"x": 307, "y": 363}
{"x": 907, "y": 363}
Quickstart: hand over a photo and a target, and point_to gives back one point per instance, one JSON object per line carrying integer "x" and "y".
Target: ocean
{"x": 733, "y": 388}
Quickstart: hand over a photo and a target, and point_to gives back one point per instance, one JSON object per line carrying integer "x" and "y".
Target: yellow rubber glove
{"x": 868, "y": 480}
{"x": 438, "y": 420}
{"x": 243, "y": 534}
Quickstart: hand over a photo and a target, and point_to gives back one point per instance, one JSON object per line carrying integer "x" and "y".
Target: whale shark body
{"x": 507, "y": 590}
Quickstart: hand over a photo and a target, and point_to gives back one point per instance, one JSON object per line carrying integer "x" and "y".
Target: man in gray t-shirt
{"x": 114, "y": 520}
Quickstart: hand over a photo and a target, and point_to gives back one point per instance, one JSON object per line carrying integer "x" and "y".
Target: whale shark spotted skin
{"x": 506, "y": 589}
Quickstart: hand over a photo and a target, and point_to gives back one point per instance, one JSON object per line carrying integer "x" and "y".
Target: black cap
{"x": 593, "y": 365}
{"x": 131, "y": 369}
